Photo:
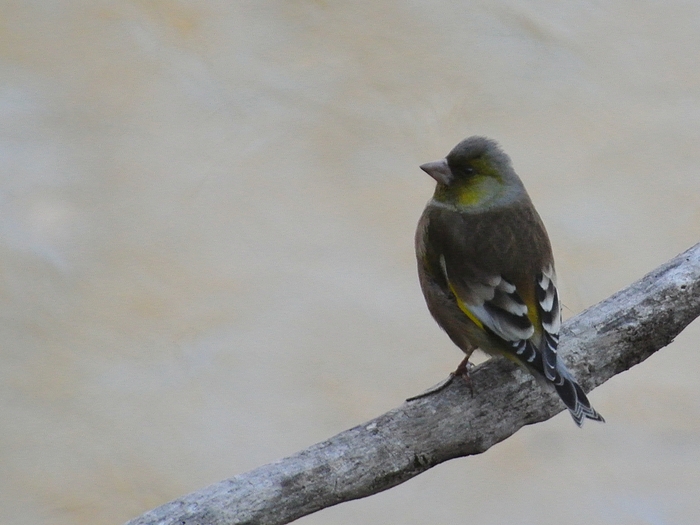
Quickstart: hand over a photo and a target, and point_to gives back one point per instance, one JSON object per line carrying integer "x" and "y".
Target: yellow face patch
{"x": 474, "y": 190}
{"x": 485, "y": 184}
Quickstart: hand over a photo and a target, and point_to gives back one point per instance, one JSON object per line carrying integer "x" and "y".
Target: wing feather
{"x": 495, "y": 302}
{"x": 550, "y": 315}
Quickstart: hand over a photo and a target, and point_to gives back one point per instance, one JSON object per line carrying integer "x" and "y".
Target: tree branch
{"x": 599, "y": 343}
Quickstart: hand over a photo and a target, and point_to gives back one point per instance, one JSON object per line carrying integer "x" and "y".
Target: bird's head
{"x": 475, "y": 171}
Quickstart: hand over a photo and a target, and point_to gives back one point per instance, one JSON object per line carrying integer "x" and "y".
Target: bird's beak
{"x": 439, "y": 170}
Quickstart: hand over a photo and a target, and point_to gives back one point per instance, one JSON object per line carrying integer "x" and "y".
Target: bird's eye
{"x": 469, "y": 170}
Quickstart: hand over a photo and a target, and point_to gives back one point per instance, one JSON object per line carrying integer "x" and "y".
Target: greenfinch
{"x": 486, "y": 268}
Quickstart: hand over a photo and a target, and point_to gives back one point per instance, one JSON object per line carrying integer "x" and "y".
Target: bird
{"x": 486, "y": 268}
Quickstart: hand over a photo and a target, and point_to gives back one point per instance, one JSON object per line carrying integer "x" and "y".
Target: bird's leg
{"x": 462, "y": 371}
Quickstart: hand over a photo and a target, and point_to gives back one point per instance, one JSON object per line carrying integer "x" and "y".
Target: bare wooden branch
{"x": 601, "y": 342}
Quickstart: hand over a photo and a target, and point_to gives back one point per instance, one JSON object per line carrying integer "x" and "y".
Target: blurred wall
{"x": 206, "y": 222}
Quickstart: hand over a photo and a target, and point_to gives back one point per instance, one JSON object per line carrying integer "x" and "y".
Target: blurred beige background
{"x": 206, "y": 226}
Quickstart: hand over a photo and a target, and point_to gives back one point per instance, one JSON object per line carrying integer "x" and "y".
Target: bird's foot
{"x": 462, "y": 371}
{"x": 435, "y": 389}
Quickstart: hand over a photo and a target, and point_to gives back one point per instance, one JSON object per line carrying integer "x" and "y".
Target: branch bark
{"x": 599, "y": 343}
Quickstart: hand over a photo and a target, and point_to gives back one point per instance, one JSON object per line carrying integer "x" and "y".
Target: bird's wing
{"x": 549, "y": 309}
{"x": 491, "y": 301}
{"x": 513, "y": 313}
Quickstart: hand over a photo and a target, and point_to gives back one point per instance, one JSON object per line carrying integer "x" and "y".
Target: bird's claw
{"x": 462, "y": 371}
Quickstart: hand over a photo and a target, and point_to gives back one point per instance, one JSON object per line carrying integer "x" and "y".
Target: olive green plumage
{"x": 486, "y": 268}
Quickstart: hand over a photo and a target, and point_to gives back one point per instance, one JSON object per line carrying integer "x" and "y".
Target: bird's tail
{"x": 574, "y": 397}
